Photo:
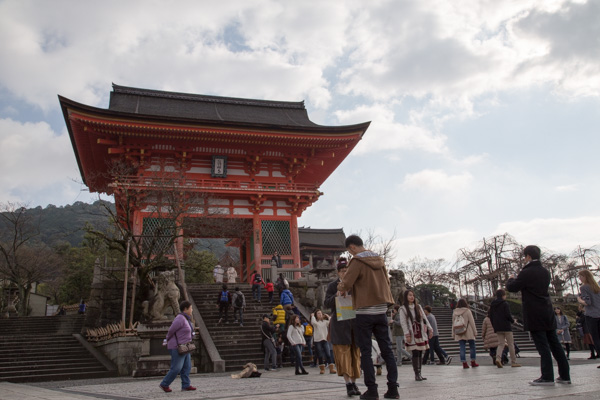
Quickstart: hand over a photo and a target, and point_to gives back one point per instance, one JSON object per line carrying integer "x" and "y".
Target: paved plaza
{"x": 444, "y": 382}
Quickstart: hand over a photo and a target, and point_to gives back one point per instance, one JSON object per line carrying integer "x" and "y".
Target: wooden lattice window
{"x": 158, "y": 231}
{"x": 276, "y": 237}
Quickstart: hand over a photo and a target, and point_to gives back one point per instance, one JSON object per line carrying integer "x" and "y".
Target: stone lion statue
{"x": 166, "y": 294}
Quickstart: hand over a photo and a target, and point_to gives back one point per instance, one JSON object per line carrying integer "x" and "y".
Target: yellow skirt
{"x": 347, "y": 360}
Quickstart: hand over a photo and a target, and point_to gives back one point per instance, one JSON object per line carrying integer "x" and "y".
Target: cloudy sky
{"x": 485, "y": 113}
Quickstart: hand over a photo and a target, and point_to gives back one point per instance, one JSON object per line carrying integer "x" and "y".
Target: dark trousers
{"x": 434, "y": 346}
{"x": 270, "y": 353}
{"x": 593, "y": 327}
{"x": 238, "y": 313}
{"x": 223, "y": 308}
{"x": 548, "y": 346}
{"x": 322, "y": 348}
{"x": 376, "y": 325}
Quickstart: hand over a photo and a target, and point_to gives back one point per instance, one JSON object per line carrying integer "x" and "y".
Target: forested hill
{"x": 66, "y": 223}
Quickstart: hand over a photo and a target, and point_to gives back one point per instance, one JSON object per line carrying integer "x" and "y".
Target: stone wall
{"x": 123, "y": 352}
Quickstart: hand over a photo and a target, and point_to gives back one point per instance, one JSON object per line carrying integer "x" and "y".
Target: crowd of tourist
{"x": 361, "y": 342}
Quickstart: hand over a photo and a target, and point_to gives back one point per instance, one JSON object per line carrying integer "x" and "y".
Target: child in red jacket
{"x": 270, "y": 288}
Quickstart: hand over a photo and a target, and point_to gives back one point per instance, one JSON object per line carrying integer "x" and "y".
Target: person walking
{"x": 239, "y": 306}
{"x": 257, "y": 284}
{"x": 562, "y": 330}
{"x": 345, "y": 350}
{"x": 218, "y": 273}
{"x": 434, "y": 342}
{"x": 287, "y": 301}
{"x": 320, "y": 323}
{"x": 538, "y": 317}
{"x": 181, "y": 331}
{"x": 463, "y": 331}
{"x": 281, "y": 284}
{"x": 416, "y": 329}
{"x": 502, "y": 321}
{"x": 490, "y": 339}
{"x": 295, "y": 335}
{"x": 223, "y": 302}
{"x": 270, "y": 290}
{"x": 368, "y": 279}
{"x": 268, "y": 342}
{"x": 398, "y": 335}
{"x": 589, "y": 297}
{"x": 584, "y": 333}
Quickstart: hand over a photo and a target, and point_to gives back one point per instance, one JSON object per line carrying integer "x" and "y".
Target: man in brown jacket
{"x": 371, "y": 296}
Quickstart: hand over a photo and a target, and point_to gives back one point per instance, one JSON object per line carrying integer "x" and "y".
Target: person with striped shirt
{"x": 368, "y": 279}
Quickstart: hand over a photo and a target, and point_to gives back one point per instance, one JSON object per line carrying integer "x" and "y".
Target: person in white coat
{"x": 417, "y": 331}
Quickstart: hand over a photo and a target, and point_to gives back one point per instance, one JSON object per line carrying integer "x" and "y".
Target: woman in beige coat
{"x": 490, "y": 339}
{"x": 464, "y": 330}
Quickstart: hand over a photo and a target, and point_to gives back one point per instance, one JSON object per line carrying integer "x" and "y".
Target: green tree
{"x": 439, "y": 292}
{"x": 199, "y": 266}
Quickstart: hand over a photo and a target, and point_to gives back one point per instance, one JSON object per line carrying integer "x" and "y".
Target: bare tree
{"x": 382, "y": 246}
{"x": 23, "y": 260}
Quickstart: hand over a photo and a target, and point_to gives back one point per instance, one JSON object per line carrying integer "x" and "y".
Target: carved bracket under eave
{"x": 252, "y": 164}
{"x": 291, "y": 167}
{"x": 257, "y": 203}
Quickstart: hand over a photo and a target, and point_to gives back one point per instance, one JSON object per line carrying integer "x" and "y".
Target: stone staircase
{"x": 443, "y": 316}
{"x": 45, "y": 348}
{"x": 237, "y": 345}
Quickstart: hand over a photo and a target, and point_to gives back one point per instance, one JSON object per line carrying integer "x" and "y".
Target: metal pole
{"x": 125, "y": 283}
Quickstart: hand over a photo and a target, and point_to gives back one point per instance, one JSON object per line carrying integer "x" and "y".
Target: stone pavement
{"x": 444, "y": 382}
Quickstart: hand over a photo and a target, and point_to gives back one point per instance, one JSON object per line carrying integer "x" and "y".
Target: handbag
{"x": 343, "y": 308}
{"x": 188, "y": 347}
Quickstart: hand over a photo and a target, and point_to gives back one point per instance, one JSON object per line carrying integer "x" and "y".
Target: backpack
{"x": 239, "y": 301}
{"x": 224, "y": 297}
{"x": 459, "y": 325}
{"x": 308, "y": 330}
{"x": 257, "y": 278}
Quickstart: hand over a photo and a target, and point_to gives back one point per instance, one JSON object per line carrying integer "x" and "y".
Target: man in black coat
{"x": 502, "y": 321}
{"x": 538, "y": 316}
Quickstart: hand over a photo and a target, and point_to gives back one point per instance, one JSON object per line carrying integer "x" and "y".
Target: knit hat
{"x": 342, "y": 263}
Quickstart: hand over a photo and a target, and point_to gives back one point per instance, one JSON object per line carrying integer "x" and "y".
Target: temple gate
{"x": 244, "y": 169}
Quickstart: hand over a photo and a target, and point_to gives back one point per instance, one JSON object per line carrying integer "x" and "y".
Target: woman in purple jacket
{"x": 181, "y": 331}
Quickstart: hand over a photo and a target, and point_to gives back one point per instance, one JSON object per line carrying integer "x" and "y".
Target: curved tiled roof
{"x": 208, "y": 108}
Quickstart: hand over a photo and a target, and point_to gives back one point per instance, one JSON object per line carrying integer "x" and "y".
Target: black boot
{"x": 350, "y": 389}
{"x": 392, "y": 392}
{"x": 356, "y": 391}
{"x": 415, "y": 364}
{"x": 370, "y": 394}
{"x": 421, "y": 376}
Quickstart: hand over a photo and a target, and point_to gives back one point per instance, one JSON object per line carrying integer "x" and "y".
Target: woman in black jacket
{"x": 502, "y": 322}
{"x": 345, "y": 348}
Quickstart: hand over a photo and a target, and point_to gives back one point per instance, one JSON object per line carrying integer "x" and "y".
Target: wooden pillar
{"x": 256, "y": 242}
{"x": 295, "y": 243}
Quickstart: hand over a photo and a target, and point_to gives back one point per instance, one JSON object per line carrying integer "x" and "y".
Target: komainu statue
{"x": 166, "y": 294}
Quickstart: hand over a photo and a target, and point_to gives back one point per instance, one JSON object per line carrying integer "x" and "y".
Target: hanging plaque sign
{"x": 219, "y": 167}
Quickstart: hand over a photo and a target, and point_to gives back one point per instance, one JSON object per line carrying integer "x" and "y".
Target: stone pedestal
{"x": 154, "y": 359}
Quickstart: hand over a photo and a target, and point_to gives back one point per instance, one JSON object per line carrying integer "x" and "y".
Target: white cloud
{"x": 566, "y": 188}
{"x": 558, "y": 234}
{"x": 386, "y": 134}
{"x": 437, "y": 245}
{"x": 36, "y": 161}
{"x": 437, "y": 181}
